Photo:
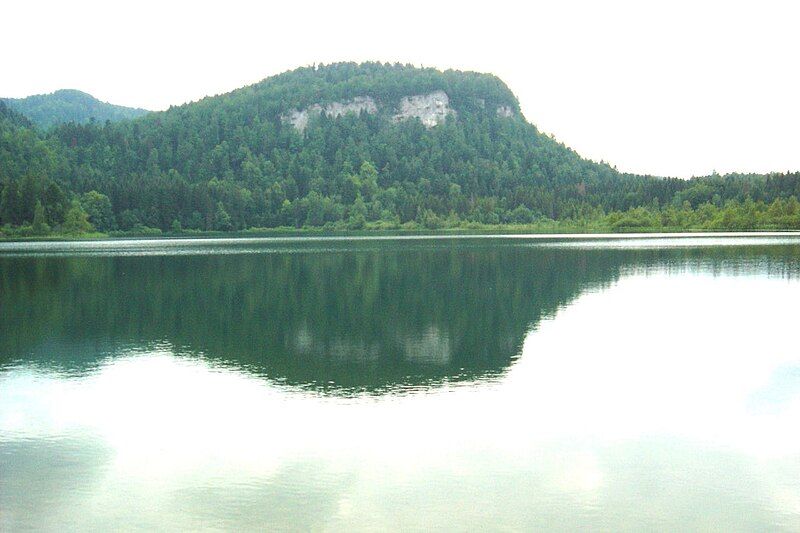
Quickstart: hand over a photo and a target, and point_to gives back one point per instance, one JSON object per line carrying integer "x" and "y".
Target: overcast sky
{"x": 668, "y": 87}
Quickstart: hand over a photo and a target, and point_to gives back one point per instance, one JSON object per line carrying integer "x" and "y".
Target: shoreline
{"x": 7, "y": 244}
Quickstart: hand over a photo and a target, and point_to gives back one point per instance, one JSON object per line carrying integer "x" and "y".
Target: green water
{"x": 401, "y": 383}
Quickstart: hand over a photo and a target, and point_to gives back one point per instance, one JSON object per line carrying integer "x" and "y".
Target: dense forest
{"x": 69, "y": 105}
{"x": 240, "y": 161}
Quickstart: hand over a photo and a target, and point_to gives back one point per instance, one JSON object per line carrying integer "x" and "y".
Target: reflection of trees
{"x": 353, "y": 316}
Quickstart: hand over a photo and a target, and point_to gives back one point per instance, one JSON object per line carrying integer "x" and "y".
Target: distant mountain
{"x": 351, "y": 146}
{"x": 70, "y": 105}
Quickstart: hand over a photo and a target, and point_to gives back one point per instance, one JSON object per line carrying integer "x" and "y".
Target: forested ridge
{"x": 236, "y": 161}
{"x": 69, "y": 105}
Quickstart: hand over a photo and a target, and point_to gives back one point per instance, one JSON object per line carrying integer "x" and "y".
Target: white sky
{"x": 669, "y": 87}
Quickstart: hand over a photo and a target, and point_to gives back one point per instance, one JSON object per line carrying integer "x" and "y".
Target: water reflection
{"x": 647, "y": 389}
{"x": 355, "y": 318}
{"x": 368, "y": 316}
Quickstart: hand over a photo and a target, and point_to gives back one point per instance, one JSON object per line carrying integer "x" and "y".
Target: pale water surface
{"x": 419, "y": 383}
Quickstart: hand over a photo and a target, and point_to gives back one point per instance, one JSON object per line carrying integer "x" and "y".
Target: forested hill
{"x": 341, "y": 146}
{"x": 69, "y": 105}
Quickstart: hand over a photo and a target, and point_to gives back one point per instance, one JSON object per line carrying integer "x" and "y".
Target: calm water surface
{"x": 457, "y": 383}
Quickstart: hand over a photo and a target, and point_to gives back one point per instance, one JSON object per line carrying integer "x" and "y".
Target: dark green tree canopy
{"x": 342, "y": 145}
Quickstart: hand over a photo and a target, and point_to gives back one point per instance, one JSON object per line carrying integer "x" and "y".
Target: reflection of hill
{"x": 355, "y": 317}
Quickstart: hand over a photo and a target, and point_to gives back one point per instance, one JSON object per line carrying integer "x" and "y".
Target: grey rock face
{"x": 431, "y": 109}
{"x": 505, "y": 111}
{"x": 299, "y": 118}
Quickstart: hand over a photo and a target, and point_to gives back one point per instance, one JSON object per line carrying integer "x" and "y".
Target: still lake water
{"x": 412, "y": 383}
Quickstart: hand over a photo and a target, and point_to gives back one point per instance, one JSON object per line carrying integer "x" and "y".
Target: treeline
{"x": 231, "y": 162}
{"x": 69, "y": 105}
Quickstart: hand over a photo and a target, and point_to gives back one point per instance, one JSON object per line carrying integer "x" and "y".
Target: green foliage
{"x": 98, "y": 206}
{"x": 233, "y": 162}
{"x": 40, "y": 226}
{"x": 222, "y": 220}
{"x": 358, "y": 213}
{"x": 76, "y": 220}
{"x": 69, "y": 105}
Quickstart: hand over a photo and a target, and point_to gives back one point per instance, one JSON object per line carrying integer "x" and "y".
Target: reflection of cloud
{"x": 612, "y": 418}
{"x": 41, "y": 485}
{"x": 782, "y": 388}
{"x": 646, "y": 485}
{"x": 304, "y": 493}
{"x": 581, "y": 472}
{"x": 174, "y": 440}
{"x": 664, "y": 354}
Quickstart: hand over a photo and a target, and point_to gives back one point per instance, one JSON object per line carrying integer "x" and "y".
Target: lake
{"x": 458, "y": 383}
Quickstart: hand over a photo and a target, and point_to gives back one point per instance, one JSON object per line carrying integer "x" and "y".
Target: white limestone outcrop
{"x": 505, "y": 111}
{"x": 299, "y": 118}
{"x": 431, "y": 109}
